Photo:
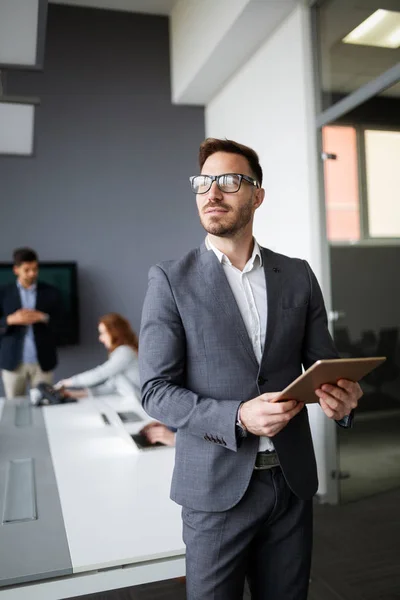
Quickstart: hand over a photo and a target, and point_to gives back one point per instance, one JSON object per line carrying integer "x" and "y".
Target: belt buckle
{"x": 261, "y": 468}
{"x": 266, "y": 466}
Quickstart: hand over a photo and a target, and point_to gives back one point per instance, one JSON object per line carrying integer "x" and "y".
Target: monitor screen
{"x": 63, "y": 276}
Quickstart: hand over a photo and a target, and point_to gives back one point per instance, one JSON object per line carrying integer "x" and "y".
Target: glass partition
{"x": 361, "y": 152}
{"x": 357, "y": 41}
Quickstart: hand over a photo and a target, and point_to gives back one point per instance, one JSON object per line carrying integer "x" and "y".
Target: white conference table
{"x": 122, "y": 529}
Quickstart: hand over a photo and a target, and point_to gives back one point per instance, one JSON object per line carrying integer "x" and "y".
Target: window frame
{"x": 365, "y": 238}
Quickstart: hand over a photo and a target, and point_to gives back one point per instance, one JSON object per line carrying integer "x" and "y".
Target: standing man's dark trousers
{"x": 266, "y": 537}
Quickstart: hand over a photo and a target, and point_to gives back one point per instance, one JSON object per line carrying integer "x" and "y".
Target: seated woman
{"x": 118, "y": 375}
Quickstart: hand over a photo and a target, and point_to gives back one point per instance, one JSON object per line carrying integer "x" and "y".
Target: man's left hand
{"x": 36, "y": 316}
{"x": 337, "y": 401}
{"x": 40, "y": 317}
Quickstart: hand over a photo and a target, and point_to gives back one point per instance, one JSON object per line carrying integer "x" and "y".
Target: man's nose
{"x": 214, "y": 193}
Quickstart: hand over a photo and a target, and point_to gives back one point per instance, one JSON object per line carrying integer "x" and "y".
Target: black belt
{"x": 266, "y": 460}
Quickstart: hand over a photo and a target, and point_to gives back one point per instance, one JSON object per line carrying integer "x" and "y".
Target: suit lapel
{"x": 212, "y": 273}
{"x": 16, "y": 297}
{"x": 39, "y": 296}
{"x": 273, "y": 278}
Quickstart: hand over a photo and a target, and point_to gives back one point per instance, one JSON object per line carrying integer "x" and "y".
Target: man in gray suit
{"x": 223, "y": 330}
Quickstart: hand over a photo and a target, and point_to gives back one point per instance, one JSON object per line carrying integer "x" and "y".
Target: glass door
{"x": 362, "y": 204}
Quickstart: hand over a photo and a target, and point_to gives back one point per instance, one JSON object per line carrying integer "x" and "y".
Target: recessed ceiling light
{"x": 381, "y": 29}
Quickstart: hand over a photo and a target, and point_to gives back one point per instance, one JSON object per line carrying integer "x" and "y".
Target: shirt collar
{"x": 32, "y": 288}
{"x": 223, "y": 259}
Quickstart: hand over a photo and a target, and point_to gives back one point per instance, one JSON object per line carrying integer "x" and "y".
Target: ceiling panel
{"x": 346, "y": 67}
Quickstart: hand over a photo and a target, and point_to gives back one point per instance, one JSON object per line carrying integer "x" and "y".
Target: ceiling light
{"x": 394, "y": 38}
{"x": 381, "y": 29}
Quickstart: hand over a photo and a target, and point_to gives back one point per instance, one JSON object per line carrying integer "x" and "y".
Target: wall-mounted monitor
{"x": 63, "y": 276}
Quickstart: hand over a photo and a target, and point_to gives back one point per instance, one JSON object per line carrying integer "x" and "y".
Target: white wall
{"x": 196, "y": 28}
{"x": 269, "y": 105}
{"x": 211, "y": 39}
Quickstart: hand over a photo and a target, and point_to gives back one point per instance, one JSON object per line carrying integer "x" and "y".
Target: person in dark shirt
{"x": 31, "y": 317}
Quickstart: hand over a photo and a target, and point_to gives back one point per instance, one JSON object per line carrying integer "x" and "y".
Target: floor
{"x": 356, "y": 555}
{"x": 369, "y": 455}
{"x": 357, "y": 549}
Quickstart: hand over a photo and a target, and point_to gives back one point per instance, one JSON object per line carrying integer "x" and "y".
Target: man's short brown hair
{"x": 21, "y": 255}
{"x": 212, "y": 145}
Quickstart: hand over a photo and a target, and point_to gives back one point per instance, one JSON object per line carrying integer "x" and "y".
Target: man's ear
{"x": 259, "y": 197}
{"x": 16, "y": 271}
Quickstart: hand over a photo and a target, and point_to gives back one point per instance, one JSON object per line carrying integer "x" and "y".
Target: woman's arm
{"x": 117, "y": 363}
{"x": 103, "y": 389}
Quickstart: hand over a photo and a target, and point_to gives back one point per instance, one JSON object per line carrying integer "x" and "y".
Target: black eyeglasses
{"x": 228, "y": 182}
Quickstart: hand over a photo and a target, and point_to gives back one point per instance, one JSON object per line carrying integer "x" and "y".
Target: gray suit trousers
{"x": 266, "y": 537}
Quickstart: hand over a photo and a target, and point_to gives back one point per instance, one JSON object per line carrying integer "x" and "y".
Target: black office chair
{"x": 385, "y": 373}
{"x": 369, "y": 342}
{"x": 343, "y": 343}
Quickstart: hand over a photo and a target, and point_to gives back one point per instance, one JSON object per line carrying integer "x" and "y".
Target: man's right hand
{"x": 264, "y": 417}
{"x": 23, "y": 316}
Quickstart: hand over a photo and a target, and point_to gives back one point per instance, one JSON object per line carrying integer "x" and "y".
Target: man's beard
{"x": 217, "y": 228}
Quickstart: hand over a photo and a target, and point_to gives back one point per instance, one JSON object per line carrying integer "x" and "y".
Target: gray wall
{"x": 108, "y": 186}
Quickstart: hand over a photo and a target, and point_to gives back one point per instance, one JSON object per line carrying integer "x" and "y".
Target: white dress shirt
{"x": 250, "y": 291}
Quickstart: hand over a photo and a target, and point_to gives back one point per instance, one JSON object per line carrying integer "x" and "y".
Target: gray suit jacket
{"x": 197, "y": 365}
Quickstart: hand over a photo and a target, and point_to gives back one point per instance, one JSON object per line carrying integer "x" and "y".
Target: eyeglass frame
{"x": 215, "y": 178}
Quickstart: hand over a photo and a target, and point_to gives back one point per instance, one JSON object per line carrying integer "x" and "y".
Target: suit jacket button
{"x": 261, "y": 380}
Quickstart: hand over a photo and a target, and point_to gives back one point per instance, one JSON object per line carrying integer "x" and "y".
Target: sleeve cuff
{"x": 347, "y": 421}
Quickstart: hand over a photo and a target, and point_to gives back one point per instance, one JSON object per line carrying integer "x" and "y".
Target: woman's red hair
{"x": 120, "y": 331}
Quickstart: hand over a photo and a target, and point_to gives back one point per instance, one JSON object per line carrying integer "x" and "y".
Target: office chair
{"x": 343, "y": 343}
{"x": 385, "y": 373}
{"x": 369, "y": 341}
